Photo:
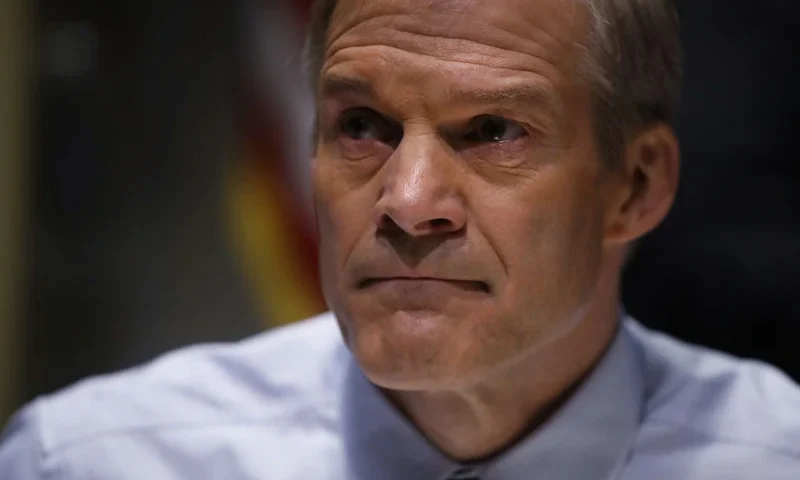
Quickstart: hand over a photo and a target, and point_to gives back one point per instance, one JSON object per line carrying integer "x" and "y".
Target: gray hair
{"x": 631, "y": 61}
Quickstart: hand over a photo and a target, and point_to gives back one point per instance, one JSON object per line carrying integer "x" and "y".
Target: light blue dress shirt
{"x": 291, "y": 404}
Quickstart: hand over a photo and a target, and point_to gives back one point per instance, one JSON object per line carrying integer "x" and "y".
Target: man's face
{"x": 458, "y": 189}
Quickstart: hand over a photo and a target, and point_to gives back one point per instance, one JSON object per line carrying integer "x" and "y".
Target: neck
{"x": 488, "y": 418}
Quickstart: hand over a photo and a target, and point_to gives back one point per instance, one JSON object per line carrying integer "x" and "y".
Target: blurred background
{"x": 153, "y": 188}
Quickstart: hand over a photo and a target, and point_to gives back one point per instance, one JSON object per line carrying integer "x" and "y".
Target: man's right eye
{"x": 364, "y": 124}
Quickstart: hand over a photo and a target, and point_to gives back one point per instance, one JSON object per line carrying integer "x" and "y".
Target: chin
{"x": 417, "y": 350}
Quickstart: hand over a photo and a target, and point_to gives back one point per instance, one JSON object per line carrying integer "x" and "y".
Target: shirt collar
{"x": 588, "y": 437}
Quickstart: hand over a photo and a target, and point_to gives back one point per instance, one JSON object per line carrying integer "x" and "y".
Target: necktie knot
{"x": 464, "y": 473}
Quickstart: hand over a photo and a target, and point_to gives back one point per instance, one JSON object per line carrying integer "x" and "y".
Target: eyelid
{"x": 527, "y": 128}
{"x": 533, "y": 124}
{"x": 388, "y": 130}
{"x": 507, "y": 118}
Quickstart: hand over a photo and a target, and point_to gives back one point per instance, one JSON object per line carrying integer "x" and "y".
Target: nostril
{"x": 436, "y": 226}
{"x": 440, "y": 223}
{"x": 388, "y": 224}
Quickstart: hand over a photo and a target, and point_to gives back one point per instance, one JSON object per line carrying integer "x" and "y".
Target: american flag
{"x": 269, "y": 193}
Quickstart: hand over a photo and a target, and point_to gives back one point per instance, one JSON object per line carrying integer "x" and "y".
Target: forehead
{"x": 515, "y": 25}
{"x": 430, "y": 48}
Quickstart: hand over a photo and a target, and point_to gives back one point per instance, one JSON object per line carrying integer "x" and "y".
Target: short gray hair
{"x": 632, "y": 62}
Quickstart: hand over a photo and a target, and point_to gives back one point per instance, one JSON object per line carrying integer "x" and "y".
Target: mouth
{"x": 468, "y": 285}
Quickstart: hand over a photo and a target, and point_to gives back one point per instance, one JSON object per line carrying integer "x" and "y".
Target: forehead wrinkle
{"x": 552, "y": 30}
{"x": 350, "y": 13}
{"x": 496, "y": 34}
{"x": 355, "y": 54}
{"x": 335, "y": 60}
{"x": 499, "y": 48}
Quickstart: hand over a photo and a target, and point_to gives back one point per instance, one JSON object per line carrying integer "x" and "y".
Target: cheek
{"x": 343, "y": 218}
{"x": 551, "y": 249}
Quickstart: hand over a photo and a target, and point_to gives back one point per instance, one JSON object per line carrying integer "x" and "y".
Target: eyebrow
{"x": 528, "y": 95}
{"x": 339, "y": 85}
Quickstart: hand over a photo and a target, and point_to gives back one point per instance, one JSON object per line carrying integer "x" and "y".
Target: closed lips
{"x": 475, "y": 285}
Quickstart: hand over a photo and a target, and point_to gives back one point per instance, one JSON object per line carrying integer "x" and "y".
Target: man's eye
{"x": 494, "y": 129}
{"x": 366, "y": 124}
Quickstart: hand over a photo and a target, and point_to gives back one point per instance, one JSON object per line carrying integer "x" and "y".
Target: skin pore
{"x": 471, "y": 238}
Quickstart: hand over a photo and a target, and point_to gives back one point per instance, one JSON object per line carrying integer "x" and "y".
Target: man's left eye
{"x": 494, "y": 129}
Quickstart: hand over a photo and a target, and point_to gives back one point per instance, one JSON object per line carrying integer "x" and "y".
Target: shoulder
{"x": 714, "y": 407}
{"x": 265, "y": 377}
{"x": 273, "y": 381}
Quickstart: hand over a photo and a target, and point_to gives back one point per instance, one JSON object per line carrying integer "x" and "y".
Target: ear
{"x": 646, "y": 185}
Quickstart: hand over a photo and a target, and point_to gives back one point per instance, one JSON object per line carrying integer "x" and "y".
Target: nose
{"x": 420, "y": 194}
